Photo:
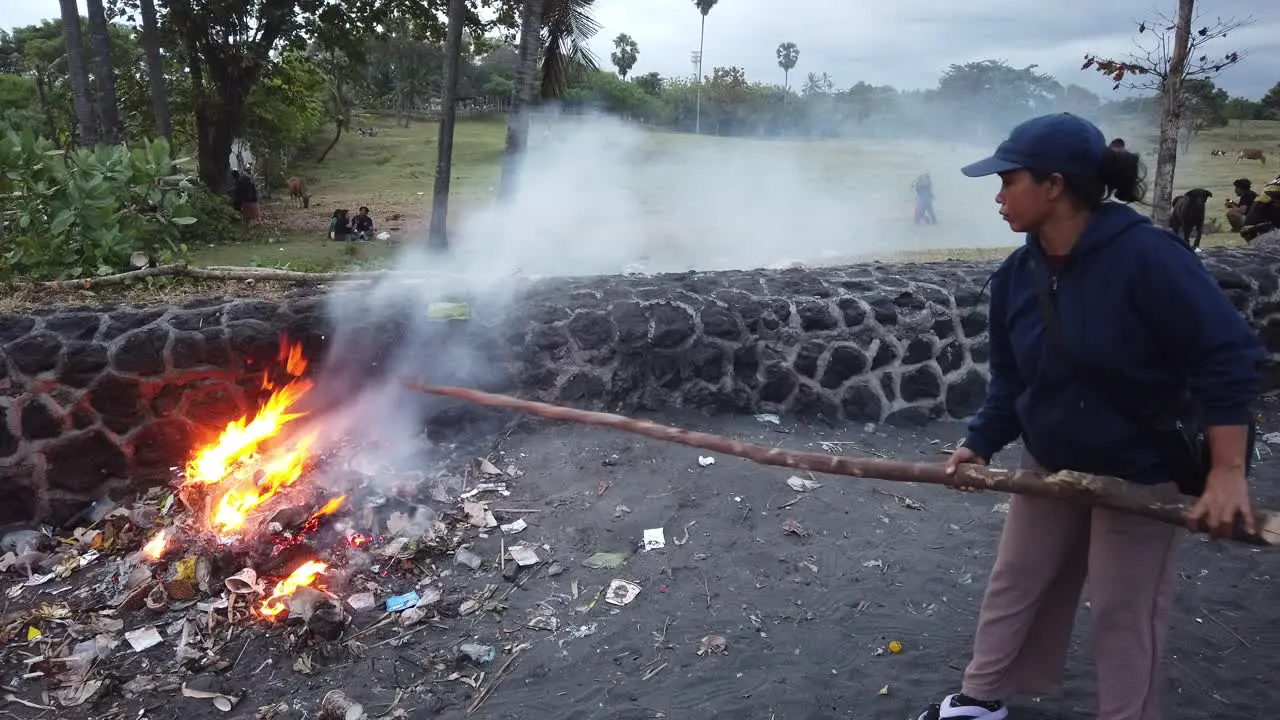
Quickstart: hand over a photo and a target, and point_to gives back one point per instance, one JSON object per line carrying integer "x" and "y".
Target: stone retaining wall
{"x": 93, "y": 398}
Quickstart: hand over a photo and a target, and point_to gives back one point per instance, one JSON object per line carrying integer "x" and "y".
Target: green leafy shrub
{"x": 216, "y": 221}
{"x": 83, "y": 213}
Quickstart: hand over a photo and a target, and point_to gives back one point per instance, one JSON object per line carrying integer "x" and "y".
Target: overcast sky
{"x": 904, "y": 44}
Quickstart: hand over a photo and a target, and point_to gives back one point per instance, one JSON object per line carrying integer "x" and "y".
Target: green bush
{"x": 83, "y": 213}
{"x": 216, "y": 221}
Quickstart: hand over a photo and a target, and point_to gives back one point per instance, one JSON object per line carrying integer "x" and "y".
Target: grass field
{"x": 604, "y": 197}
{"x": 392, "y": 173}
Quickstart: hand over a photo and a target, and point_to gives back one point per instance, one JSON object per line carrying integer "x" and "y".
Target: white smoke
{"x": 597, "y": 195}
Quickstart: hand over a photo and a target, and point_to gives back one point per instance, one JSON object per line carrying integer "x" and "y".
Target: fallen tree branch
{"x": 221, "y": 273}
{"x": 1099, "y": 491}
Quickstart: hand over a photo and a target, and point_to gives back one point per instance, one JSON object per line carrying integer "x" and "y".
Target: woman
{"x": 340, "y": 226}
{"x": 1125, "y": 298}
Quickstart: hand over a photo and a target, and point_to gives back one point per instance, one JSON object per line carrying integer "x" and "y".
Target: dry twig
{"x": 497, "y": 678}
{"x": 1223, "y": 625}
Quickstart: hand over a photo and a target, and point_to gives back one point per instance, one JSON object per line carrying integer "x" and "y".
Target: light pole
{"x": 696, "y": 56}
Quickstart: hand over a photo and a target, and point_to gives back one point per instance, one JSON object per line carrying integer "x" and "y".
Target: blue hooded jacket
{"x": 1132, "y": 304}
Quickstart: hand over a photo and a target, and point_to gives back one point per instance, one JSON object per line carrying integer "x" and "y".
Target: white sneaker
{"x": 952, "y": 708}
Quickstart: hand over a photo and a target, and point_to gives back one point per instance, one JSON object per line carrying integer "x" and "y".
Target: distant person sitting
{"x": 1117, "y": 145}
{"x": 923, "y": 188}
{"x": 362, "y": 224}
{"x": 1238, "y": 209}
{"x": 339, "y": 226}
{"x": 1263, "y": 219}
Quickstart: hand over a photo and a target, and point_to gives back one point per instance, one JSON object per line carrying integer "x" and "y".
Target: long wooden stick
{"x": 220, "y": 273}
{"x": 1096, "y": 490}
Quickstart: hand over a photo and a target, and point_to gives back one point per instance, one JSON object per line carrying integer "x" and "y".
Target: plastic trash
{"x": 479, "y": 654}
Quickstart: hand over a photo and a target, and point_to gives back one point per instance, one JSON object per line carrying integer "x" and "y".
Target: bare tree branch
{"x": 1146, "y": 67}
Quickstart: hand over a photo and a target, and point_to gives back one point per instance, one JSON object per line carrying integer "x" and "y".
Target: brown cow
{"x": 298, "y": 194}
{"x": 1251, "y": 154}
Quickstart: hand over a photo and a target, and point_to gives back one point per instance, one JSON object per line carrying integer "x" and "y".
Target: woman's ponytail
{"x": 1123, "y": 175}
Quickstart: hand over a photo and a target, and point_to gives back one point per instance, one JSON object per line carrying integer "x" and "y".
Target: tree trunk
{"x": 86, "y": 119}
{"x": 42, "y": 92}
{"x": 155, "y": 70}
{"x": 1171, "y": 115}
{"x": 437, "y": 238}
{"x": 336, "y": 137}
{"x": 104, "y": 71}
{"x": 214, "y": 173}
{"x": 697, "y": 117}
{"x": 522, "y": 95}
{"x": 217, "y": 118}
{"x": 213, "y": 147}
{"x": 221, "y": 77}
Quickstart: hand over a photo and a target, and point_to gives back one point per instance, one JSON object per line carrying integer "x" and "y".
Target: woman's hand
{"x": 1226, "y": 497}
{"x": 963, "y": 456}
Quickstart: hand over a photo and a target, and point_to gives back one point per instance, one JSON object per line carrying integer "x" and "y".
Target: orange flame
{"x": 245, "y": 477}
{"x": 156, "y": 546}
{"x": 329, "y": 508}
{"x": 291, "y": 355}
{"x": 305, "y": 575}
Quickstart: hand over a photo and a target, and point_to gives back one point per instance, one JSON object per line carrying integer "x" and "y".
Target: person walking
{"x": 1102, "y": 326}
{"x": 923, "y": 189}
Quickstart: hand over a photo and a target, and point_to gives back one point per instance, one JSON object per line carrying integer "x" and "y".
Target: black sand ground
{"x": 806, "y": 619}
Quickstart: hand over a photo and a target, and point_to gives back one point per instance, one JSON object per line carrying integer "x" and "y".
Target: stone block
{"x": 91, "y": 395}
{"x": 35, "y": 353}
{"x": 81, "y": 461}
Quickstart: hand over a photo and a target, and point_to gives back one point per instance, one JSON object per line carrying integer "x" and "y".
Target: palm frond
{"x": 567, "y": 27}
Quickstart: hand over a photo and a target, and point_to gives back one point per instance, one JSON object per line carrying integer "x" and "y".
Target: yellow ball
{"x": 895, "y": 647}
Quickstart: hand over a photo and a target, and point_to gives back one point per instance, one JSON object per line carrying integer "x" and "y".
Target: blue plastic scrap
{"x": 397, "y": 603}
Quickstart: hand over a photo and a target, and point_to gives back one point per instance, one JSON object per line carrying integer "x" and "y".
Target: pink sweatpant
{"x": 1047, "y": 550}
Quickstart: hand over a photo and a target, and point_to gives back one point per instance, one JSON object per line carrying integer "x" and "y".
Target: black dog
{"x": 1188, "y": 215}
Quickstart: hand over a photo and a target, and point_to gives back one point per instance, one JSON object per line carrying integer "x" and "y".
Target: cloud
{"x": 908, "y": 45}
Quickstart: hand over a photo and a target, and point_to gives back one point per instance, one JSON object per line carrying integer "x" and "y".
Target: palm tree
{"x": 155, "y": 69}
{"x": 567, "y": 26}
{"x": 817, "y": 84}
{"x": 86, "y": 119}
{"x": 788, "y": 56}
{"x": 555, "y": 32}
{"x": 522, "y": 95}
{"x": 626, "y": 52}
{"x": 704, "y": 7}
{"x": 104, "y": 71}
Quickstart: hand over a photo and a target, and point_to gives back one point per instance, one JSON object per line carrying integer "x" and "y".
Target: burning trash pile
{"x": 252, "y": 533}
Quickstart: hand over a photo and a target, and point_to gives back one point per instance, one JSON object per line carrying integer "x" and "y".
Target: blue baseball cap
{"x": 1060, "y": 143}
